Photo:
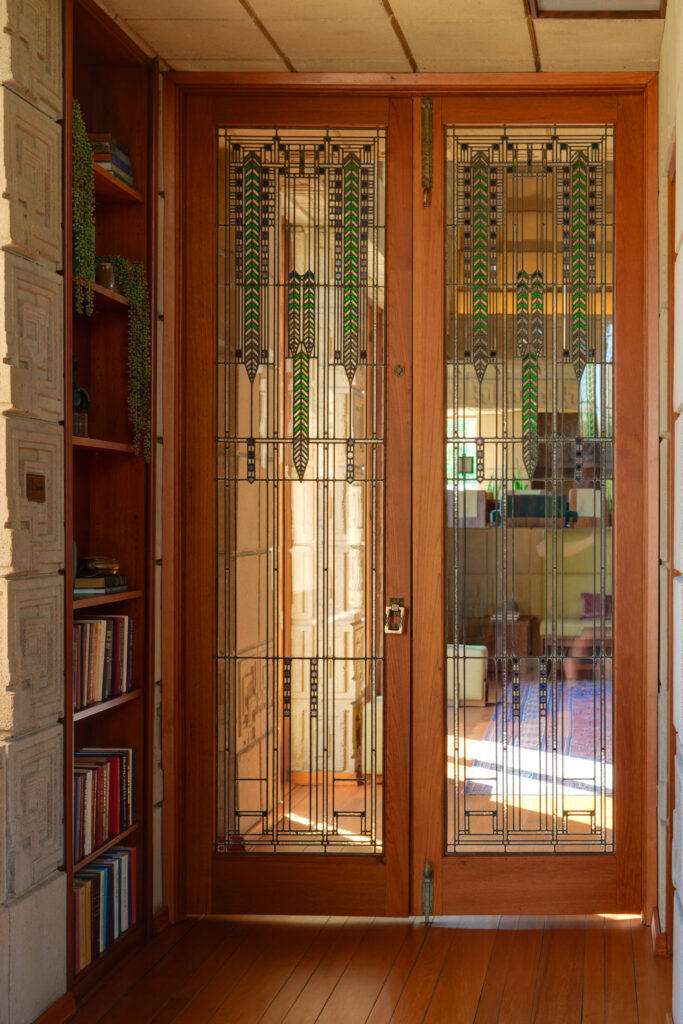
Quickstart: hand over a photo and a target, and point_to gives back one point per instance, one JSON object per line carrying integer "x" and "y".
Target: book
{"x": 108, "y": 580}
{"x": 107, "y": 139}
{"x": 116, "y": 157}
{"x": 112, "y": 168}
{"x": 104, "y": 903}
{"x": 103, "y": 647}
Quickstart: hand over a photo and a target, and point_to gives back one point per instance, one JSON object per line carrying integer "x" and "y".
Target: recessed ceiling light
{"x": 598, "y": 8}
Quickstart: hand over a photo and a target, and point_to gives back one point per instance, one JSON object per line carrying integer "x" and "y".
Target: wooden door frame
{"x": 178, "y": 88}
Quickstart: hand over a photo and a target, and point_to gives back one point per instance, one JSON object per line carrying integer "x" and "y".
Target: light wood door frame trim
{"x": 333, "y": 883}
{"x": 514, "y": 883}
{"x": 178, "y": 87}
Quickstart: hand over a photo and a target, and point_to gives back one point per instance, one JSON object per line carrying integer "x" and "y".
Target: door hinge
{"x": 427, "y": 892}
{"x": 427, "y": 107}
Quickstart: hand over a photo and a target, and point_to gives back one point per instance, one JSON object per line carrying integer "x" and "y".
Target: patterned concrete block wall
{"x": 32, "y": 889}
{"x": 670, "y": 133}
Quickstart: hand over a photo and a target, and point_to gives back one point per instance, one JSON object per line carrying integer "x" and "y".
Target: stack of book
{"x": 104, "y": 903}
{"x": 111, "y": 155}
{"x": 105, "y": 796}
{"x": 103, "y": 653}
{"x": 105, "y": 583}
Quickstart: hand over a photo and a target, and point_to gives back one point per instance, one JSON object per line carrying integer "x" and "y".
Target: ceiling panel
{"x": 445, "y": 11}
{"x": 469, "y": 45}
{"x": 214, "y": 10}
{"x": 599, "y": 45}
{"x": 317, "y": 10}
{"x": 187, "y": 38}
{"x": 338, "y": 40}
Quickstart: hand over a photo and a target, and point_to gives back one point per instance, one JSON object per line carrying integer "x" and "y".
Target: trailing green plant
{"x": 82, "y": 213}
{"x": 132, "y": 282}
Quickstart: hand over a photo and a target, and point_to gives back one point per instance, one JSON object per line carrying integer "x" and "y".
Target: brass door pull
{"x": 395, "y": 615}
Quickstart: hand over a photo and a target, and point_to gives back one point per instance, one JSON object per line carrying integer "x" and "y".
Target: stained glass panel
{"x": 300, "y": 494}
{"x": 529, "y": 489}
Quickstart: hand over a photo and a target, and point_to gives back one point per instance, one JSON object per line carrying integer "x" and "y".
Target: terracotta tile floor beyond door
{"x": 351, "y": 971}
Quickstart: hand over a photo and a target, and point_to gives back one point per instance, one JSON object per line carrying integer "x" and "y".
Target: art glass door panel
{"x": 300, "y": 497}
{"x": 530, "y": 356}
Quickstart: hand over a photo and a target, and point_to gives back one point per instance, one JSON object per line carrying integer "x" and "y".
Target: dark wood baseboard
{"x": 660, "y": 945}
{"x": 162, "y": 920}
{"x": 59, "y": 1012}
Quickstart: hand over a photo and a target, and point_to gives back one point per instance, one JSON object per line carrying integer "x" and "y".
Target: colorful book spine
{"x": 103, "y": 658}
{"x": 104, "y": 903}
{"x": 104, "y": 796}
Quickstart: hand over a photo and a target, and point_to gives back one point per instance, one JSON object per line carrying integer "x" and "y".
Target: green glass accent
{"x": 301, "y": 336}
{"x": 301, "y": 384}
{"x": 351, "y": 278}
{"x": 536, "y": 339}
{"x": 480, "y": 263}
{"x": 522, "y": 312}
{"x": 294, "y": 312}
{"x": 308, "y": 302}
{"x": 530, "y": 411}
{"x": 251, "y": 348}
{"x": 579, "y": 305}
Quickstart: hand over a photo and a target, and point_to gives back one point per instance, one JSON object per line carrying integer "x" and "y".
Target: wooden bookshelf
{"x": 109, "y": 509}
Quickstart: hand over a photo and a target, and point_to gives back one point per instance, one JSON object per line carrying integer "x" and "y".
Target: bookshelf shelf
{"x": 107, "y": 705}
{"x": 110, "y": 491}
{"x": 107, "y": 301}
{"x": 95, "y": 600}
{"x": 109, "y": 845}
{"x": 93, "y": 444}
{"x": 110, "y": 189}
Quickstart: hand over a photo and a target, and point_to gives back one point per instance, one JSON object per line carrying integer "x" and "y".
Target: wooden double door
{"x": 414, "y": 361}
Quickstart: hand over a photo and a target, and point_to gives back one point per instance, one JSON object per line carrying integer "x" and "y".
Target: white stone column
{"x": 32, "y": 889}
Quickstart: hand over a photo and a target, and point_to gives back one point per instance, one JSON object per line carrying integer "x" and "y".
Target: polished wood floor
{"x": 351, "y": 971}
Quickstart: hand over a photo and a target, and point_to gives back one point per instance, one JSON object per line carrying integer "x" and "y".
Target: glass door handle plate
{"x": 395, "y": 615}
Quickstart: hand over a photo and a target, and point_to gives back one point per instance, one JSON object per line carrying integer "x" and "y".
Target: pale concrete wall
{"x": 32, "y": 890}
{"x": 671, "y": 118}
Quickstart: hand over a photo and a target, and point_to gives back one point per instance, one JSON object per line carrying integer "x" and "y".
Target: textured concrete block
{"x": 37, "y": 940}
{"x": 31, "y": 346}
{"x": 677, "y": 1002}
{"x": 663, "y": 627}
{"x": 34, "y": 809}
{"x": 31, "y": 652}
{"x": 31, "y": 51}
{"x": 4, "y": 966}
{"x": 31, "y": 216}
{"x": 677, "y": 838}
{"x": 663, "y": 498}
{"x": 32, "y": 505}
{"x": 677, "y": 495}
{"x": 677, "y": 678}
{"x": 662, "y": 746}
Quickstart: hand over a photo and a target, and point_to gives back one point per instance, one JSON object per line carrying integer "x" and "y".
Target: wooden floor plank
{"x": 653, "y": 977}
{"x": 357, "y": 971}
{"x": 292, "y": 988}
{"x": 620, "y": 978}
{"x": 356, "y": 991}
{"x": 458, "y": 990}
{"x": 496, "y": 975}
{"x": 261, "y": 938}
{"x": 195, "y": 982}
{"x": 140, "y": 963}
{"x": 314, "y": 995}
{"x": 254, "y": 992}
{"x": 560, "y": 974}
{"x": 593, "y": 1010}
{"x": 520, "y": 985}
{"x": 390, "y": 993}
{"x": 419, "y": 987}
{"x": 143, "y": 999}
